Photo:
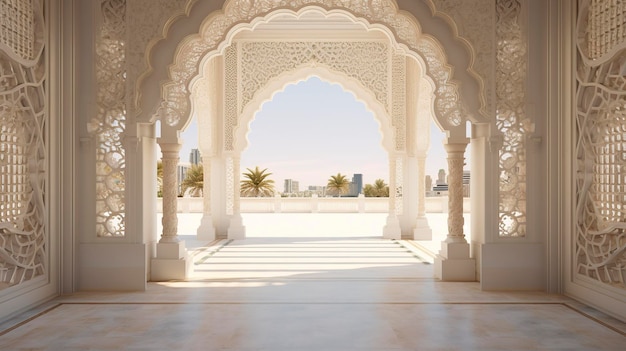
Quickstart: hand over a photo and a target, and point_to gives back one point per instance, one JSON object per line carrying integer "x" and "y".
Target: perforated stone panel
{"x": 108, "y": 125}
{"x": 511, "y": 119}
{"x": 24, "y": 119}
{"x": 600, "y": 245}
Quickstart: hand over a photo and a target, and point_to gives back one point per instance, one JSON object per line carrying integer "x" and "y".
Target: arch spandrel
{"x": 219, "y": 28}
{"x": 279, "y": 84}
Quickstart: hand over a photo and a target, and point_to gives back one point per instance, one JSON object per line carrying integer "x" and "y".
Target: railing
{"x": 437, "y": 204}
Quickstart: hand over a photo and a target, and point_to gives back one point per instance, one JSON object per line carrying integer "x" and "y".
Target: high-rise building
{"x": 194, "y": 157}
{"x": 181, "y": 173}
{"x": 291, "y": 186}
{"x": 441, "y": 177}
{"x": 357, "y": 180}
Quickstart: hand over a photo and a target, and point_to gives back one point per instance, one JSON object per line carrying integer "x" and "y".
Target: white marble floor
{"x": 312, "y": 293}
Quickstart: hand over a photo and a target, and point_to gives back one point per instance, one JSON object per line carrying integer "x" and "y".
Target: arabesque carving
{"x": 511, "y": 119}
{"x": 191, "y": 51}
{"x": 109, "y": 124}
{"x": 601, "y": 157}
{"x": 250, "y": 65}
{"x": 24, "y": 146}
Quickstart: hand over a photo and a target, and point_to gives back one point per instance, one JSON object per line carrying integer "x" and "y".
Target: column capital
{"x": 455, "y": 148}
{"x": 170, "y": 150}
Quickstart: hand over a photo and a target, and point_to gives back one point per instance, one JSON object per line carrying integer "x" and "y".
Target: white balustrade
{"x": 435, "y": 204}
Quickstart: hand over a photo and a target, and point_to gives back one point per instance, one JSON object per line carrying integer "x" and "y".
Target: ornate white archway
{"x": 377, "y": 67}
{"x": 217, "y": 32}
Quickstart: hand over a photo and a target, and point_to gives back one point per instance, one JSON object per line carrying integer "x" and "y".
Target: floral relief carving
{"x": 398, "y": 96}
{"x": 147, "y": 21}
{"x": 384, "y": 12}
{"x": 600, "y": 245}
{"x": 366, "y": 61}
{"x": 251, "y": 65}
{"x": 24, "y": 121}
{"x": 475, "y": 22}
{"x": 511, "y": 119}
{"x": 109, "y": 124}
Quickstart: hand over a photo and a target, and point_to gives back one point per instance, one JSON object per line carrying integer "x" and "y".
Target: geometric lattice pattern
{"x": 23, "y": 169}
{"x": 606, "y": 26}
{"x": 511, "y": 119}
{"x": 601, "y": 163}
{"x": 110, "y": 123}
{"x": 17, "y": 27}
{"x": 601, "y": 145}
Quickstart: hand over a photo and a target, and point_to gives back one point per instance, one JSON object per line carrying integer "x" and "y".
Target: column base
{"x": 453, "y": 263}
{"x": 206, "y": 230}
{"x": 236, "y": 230}
{"x": 392, "y": 229}
{"x": 171, "y": 263}
{"x": 422, "y": 230}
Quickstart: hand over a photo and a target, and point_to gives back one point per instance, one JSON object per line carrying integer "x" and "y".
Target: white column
{"x": 171, "y": 262}
{"x": 170, "y": 193}
{"x": 206, "y": 230}
{"x": 236, "y": 230}
{"x": 392, "y": 229}
{"x": 453, "y": 263}
{"x": 422, "y": 230}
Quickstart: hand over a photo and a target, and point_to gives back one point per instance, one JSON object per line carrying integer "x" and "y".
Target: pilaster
{"x": 422, "y": 230}
{"x": 206, "y": 230}
{"x": 236, "y": 230}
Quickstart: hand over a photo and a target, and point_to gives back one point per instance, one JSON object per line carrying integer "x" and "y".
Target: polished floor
{"x": 312, "y": 293}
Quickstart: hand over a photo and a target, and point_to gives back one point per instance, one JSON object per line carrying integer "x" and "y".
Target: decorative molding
{"x": 217, "y": 29}
{"x": 474, "y": 24}
{"x": 398, "y": 97}
{"x": 148, "y": 21}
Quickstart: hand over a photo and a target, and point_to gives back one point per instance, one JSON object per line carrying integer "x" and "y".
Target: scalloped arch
{"x": 219, "y": 27}
{"x": 348, "y": 84}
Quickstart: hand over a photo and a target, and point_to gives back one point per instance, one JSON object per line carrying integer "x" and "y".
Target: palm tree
{"x": 381, "y": 189}
{"x": 369, "y": 191}
{"x": 338, "y": 184}
{"x": 257, "y": 183}
{"x": 194, "y": 181}
{"x": 159, "y": 178}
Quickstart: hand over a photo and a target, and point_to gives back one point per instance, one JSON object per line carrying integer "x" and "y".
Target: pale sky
{"x": 313, "y": 130}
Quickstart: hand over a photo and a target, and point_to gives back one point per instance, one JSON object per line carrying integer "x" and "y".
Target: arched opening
{"x": 308, "y": 132}
{"x": 404, "y": 68}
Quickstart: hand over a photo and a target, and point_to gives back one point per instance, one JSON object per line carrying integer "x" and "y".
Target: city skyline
{"x": 314, "y": 129}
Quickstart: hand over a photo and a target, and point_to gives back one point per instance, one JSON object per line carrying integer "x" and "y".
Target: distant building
{"x": 356, "y": 186}
{"x": 318, "y": 189}
{"x": 428, "y": 180}
{"x": 181, "y": 173}
{"x": 291, "y": 186}
{"x": 441, "y": 177}
{"x": 194, "y": 157}
{"x": 466, "y": 183}
{"x": 441, "y": 186}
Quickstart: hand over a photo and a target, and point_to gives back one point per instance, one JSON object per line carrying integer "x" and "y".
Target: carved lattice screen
{"x": 600, "y": 247}
{"x": 23, "y": 144}
{"x": 110, "y": 122}
{"x": 511, "y": 119}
